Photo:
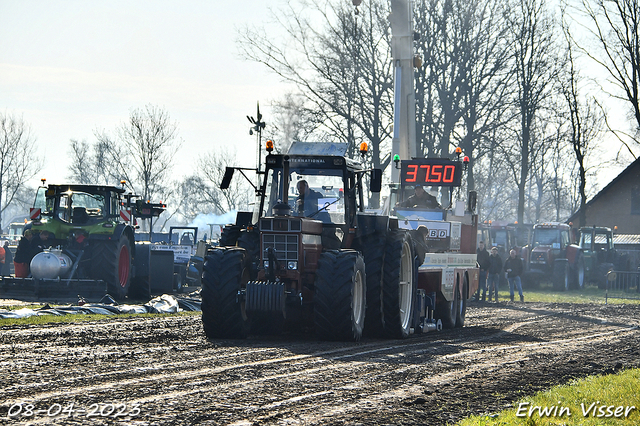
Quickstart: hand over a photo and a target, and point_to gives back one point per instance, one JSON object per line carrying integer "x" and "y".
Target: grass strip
{"x": 595, "y": 400}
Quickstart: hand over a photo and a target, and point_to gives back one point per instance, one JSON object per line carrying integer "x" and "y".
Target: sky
{"x": 70, "y": 67}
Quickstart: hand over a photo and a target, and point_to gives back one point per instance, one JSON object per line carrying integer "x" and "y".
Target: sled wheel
{"x": 447, "y": 310}
{"x": 224, "y": 275}
{"x": 340, "y": 292}
{"x": 461, "y": 312}
{"x": 399, "y": 285}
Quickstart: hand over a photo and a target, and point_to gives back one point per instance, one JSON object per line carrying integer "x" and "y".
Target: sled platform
{"x": 28, "y": 289}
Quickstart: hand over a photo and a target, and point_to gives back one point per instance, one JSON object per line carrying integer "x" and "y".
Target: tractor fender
{"x": 368, "y": 224}
{"x": 119, "y": 230}
{"x": 572, "y": 254}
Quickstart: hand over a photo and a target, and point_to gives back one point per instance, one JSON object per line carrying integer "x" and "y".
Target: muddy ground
{"x": 151, "y": 371}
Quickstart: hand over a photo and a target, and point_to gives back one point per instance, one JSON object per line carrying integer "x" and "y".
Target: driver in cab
{"x": 307, "y": 201}
{"x": 421, "y": 198}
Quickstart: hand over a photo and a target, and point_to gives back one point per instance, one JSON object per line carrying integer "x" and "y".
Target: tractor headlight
{"x": 293, "y": 265}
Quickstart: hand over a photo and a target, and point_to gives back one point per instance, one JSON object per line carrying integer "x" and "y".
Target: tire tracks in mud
{"x": 295, "y": 382}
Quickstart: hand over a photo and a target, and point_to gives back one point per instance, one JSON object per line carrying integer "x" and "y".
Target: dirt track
{"x": 163, "y": 371}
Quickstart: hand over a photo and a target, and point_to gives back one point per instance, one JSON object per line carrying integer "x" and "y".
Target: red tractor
{"x": 554, "y": 256}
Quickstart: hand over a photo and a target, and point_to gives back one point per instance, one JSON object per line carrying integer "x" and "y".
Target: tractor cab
{"x": 61, "y": 209}
{"x": 314, "y": 182}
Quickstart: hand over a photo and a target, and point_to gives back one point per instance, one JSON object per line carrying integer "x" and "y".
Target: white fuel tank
{"x": 50, "y": 264}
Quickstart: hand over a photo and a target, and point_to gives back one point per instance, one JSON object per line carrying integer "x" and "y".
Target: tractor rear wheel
{"x": 399, "y": 285}
{"x": 111, "y": 262}
{"x": 229, "y": 236}
{"x": 340, "y": 293}
{"x": 225, "y": 273}
{"x": 373, "y": 252}
{"x": 250, "y": 241}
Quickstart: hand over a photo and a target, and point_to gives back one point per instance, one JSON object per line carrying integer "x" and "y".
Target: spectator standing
{"x": 8, "y": 260}
{"x": 513, "y": 267}
{"x": 494, "y": 271}
{"x": 2, "y": 260}
{"x": 23, "y": 255}
{"x": 483, "y": 262}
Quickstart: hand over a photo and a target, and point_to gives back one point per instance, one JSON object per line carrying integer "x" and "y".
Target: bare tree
{"x": 586, "y": 121}
{"x": 292, "y": 121}
{"x": 535, "y": 67}
{"x": 18, "y": 159}
{"x": 339, "y": 60}
{"x": 211, "y": 169}
{"x": 90, "y": 163}
{"x": 143, "y": 149}
{"x": 616, "y": 27}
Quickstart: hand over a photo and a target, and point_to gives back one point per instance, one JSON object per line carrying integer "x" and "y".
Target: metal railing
{"x": 625, "y": 281}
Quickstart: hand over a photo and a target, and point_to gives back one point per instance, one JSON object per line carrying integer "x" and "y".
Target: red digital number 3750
{"x": 435, "y": 172}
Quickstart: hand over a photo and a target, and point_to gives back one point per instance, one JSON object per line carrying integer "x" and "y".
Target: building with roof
{"x": 617, "y": 204}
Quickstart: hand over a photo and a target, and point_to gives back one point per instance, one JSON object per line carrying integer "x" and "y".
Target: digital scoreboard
{"x": 431, "y": 172}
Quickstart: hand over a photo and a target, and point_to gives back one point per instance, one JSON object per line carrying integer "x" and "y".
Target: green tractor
{"x": 91, "y": 231}
{"x": 600, "y": 254}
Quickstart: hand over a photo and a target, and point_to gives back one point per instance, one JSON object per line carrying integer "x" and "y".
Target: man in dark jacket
{"x": 307, "y": 201}
{"x": 483, "y": 262}
{"x": 421, "y": 198}
{"x": 494, "y": 270}
{"x": 513, "y": 267}
{"x": 40, "y": 242}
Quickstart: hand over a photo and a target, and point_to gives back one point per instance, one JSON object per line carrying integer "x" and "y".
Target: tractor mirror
{"x": 226, "y": 179}
{"x": 376, "y": 180}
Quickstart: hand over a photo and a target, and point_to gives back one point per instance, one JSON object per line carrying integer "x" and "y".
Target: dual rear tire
{"x": 340, "y": 295}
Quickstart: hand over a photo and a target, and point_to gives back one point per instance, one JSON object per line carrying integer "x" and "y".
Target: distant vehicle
{"x": 15, "y": 232}
{"x": 554, "y": 256}
{"x": 182, "y": 242}
{"x": 600, "y": 255}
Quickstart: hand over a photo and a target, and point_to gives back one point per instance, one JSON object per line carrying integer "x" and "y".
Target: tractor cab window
{"x": 80, "y": 208}
{"x": 602, "y": 242}
{"x": 565, "y": 239}
{"x": 41, "y": 202}
{"x": 546, "y": 237}
{"x": 501, "y": 239}
{"x": 314, "y": 193}
{"x": 585, "y": 241}
{"x": 114, "y": 208}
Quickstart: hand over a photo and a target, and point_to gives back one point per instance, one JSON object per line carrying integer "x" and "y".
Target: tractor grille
{"x": 285, "y": 245}
{"x": 538, "y": 257}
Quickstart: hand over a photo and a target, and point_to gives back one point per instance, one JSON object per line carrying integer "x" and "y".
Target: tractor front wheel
{"x": 223, "y": 313}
